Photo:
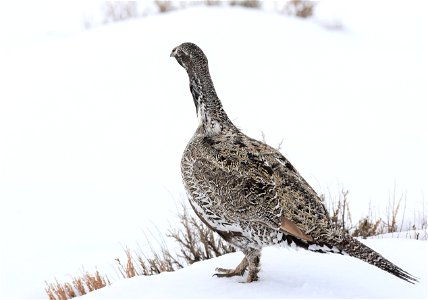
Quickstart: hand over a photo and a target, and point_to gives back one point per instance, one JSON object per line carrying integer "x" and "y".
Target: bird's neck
{"x": 212, "y": 117}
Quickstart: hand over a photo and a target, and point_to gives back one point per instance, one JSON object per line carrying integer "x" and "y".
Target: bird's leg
{"x": 253, "y": 258}
{"x": 238, "y": 271}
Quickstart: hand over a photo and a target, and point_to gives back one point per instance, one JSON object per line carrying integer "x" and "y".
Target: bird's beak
{"x": 172, "y": 53}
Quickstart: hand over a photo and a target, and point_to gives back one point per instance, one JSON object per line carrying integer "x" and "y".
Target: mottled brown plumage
{"x": 247, "y": 191}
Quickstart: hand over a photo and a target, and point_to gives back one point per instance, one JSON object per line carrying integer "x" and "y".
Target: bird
{"x": 248, "y": 192}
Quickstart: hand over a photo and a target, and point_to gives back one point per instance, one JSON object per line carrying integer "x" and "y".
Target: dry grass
{"x": 197, "y": 242}
{"x": 246, "y": 3}
{"x": 395, "y": 218}
{"x": 339, "y": 210}
{"x": 299, "y": 8}
{"x": 164, "y": 5}
{"x": 78, "y": 286}
{"x": 116, "y": 11}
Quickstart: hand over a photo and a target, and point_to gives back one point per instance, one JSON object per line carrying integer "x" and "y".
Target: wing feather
{"x": 247, "y": 180}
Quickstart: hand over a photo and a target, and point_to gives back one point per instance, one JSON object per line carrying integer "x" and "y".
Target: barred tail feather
{"x": 350, "y": 246}
{"x": 358, "y": 250}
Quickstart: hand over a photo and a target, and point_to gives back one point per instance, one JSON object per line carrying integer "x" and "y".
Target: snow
{"x": 287, "y": 274}
{"x": 93, "y": 123}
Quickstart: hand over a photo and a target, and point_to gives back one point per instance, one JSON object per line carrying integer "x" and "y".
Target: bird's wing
{"x": 248, "y": 180}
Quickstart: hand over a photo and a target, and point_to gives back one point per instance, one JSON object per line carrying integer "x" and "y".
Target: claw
{"x": 222, "y": 275}
{"x": 224, "y": 270}
{"x": 238, "y": 271}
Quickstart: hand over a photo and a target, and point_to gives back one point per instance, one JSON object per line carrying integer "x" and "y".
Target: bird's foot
{"x": 238, "y": 271}
{"x": 250, "y": 261}
{"x": 252, "y": 276}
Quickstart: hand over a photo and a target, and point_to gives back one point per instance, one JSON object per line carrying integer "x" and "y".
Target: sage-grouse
{"x": 248, "y": 192}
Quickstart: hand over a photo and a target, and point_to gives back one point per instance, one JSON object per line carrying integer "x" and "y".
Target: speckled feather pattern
{"x": 244, "y": 189}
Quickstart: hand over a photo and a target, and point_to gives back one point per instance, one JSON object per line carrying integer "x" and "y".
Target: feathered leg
{"x": 253, "y": 257}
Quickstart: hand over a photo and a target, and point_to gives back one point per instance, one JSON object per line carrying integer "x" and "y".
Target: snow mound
{"x": 288, "y": 274}
{"x": 93, "y": 125}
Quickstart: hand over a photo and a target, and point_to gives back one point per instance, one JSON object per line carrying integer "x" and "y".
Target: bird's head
{"x": 190, "y": 57}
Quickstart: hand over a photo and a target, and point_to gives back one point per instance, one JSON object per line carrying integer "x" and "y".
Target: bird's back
{"x": 231, "y": 178}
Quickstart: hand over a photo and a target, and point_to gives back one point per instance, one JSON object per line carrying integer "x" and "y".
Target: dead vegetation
{"x": 196, "y": 242}
{"x": 116, "y": 11}
{"x": 395, "y": 219}
{"x": 77, "y": 287}
{"x": 299, "y": 8}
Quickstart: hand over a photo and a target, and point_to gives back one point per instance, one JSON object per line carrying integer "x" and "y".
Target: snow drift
{"x": 287, "y": 274}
